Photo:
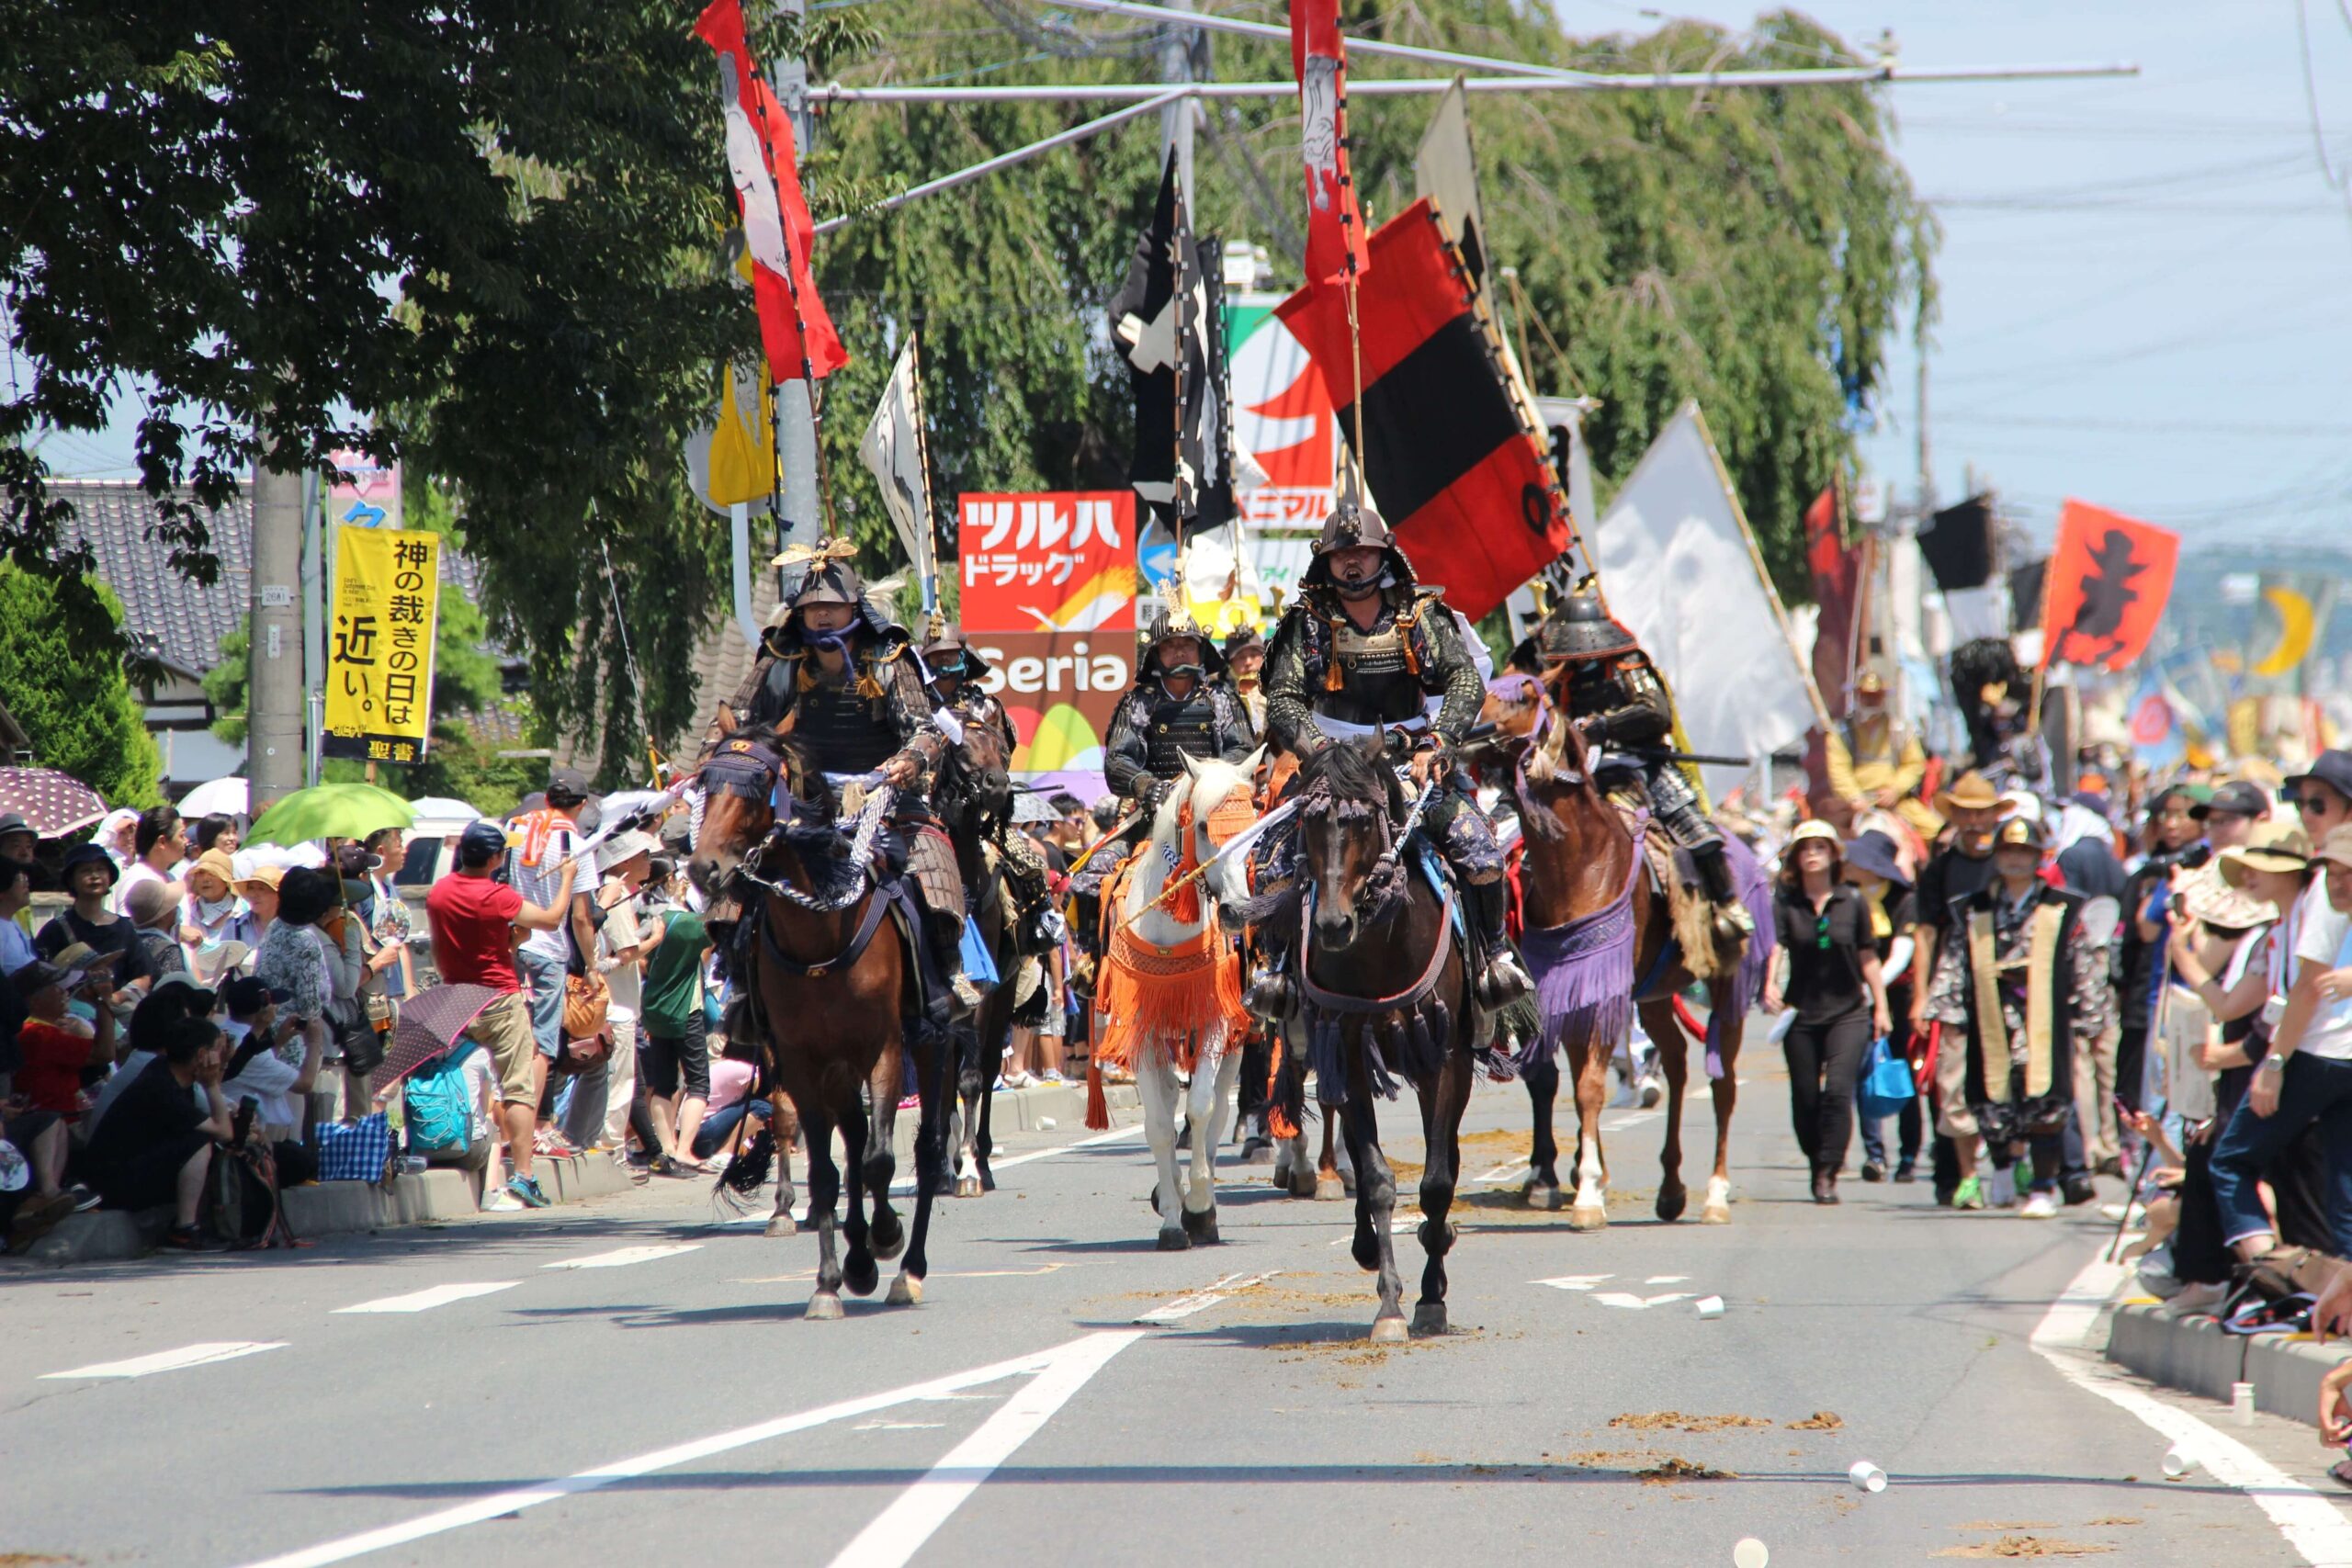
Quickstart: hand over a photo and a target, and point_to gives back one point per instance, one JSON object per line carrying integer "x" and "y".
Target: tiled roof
{"x": 118, "y": 521}
{"x": 721, "y": 660}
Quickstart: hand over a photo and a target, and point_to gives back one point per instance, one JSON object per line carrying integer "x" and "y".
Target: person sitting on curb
{"x": 155, "y": 1145}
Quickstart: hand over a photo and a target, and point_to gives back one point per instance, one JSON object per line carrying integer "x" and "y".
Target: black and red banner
{"x": 1450, "y": 460}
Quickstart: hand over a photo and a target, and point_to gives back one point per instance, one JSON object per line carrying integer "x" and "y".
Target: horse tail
{"x": 1286, "y": 1110}
{"x": 1098, "y": 1108}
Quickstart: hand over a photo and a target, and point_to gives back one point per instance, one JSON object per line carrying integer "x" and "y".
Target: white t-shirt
{"x": 627, "y": 980}
{"x": 2325, "y": 940}
{"x": 537, "y": 885}
{"x": 269, "y": 1079}
{"x": 120, "y": 899}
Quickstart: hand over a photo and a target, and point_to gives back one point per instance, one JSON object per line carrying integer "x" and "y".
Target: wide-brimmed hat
{"x": 268, "y": 876}
{"x": 624, "y": 846}
{"x": 2274, "y": 846}
{"x": 2019, "y": 833}
{"x": 150, "y": 901}
{"x": 1873, "y": 851}
{"x": 27, "y": 979}
{"x": 1969, "y": 792}
{"x": 2332, "y": 768}
{"x": 218, "y": 862}
{"x": 2208, "y": 897}
{"x": 2337, "y": 849}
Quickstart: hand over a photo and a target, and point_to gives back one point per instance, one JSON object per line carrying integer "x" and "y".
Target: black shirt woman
{"x": 1827, "y": 970}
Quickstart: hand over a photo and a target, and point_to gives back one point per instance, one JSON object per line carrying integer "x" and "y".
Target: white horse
{"x": 1204, "y": 1030}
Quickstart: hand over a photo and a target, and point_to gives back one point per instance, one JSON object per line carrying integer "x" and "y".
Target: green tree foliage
{"x": 69, "y": 692}
{"x": 207, "y": 204}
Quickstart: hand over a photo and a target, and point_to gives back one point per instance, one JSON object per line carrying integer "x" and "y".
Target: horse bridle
{"x": 771, "y": 768}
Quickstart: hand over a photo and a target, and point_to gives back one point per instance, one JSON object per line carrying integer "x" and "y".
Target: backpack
{"x": 240, "y": 1205}
{"x": 440, "y": 1108}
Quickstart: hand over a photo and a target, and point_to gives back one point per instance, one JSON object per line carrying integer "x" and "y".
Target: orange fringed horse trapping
{"x": 1169, "y": 999}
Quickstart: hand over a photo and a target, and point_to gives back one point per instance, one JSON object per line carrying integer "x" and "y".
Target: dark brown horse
{"x": 973, "y": 799}
{"x": 1581, "y": 864}
{"x": 831, "y": 981}
{"x": 1385, "y": 995}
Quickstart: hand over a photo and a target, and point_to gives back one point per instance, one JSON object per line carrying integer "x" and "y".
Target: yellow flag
{"x": 379, "y": 647}
{"x": 742, "y": 459}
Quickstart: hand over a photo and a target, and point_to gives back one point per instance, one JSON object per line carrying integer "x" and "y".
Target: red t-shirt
{"x": 55, "y": 1057}
{"x": 473, "y": 931}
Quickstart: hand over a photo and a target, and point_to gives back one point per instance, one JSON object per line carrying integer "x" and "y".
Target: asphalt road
{"x": 665, "y": 1402}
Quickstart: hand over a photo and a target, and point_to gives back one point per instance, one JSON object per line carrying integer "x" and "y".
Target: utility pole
{"x": 274, "y": 691}
{"x": 1176, "y": 45}
{"x": 795, "y": 415}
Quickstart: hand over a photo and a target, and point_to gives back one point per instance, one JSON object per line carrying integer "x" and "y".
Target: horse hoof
{"x": 1302, "y": 1184}
{"x": 1540, "y": 1195}
{"x": 1201, "y": 1227}
{"x": 1174, "y": 1240}
{"x": 1429, "y": 1318}
{"x": 1588, "y": 1217}
{"x": 1331, "y": 1189}
{"x": 968, "y": 1187}
{"x": 782, "y": 1224}
{"x": 1671, "y": 1203}
{"x": 886, "y": 1250}
{"x": 987, "y": 1182}
{"x": 1389, "y": 1331}
{"x": 859, "y": 1274}
{"x": 1715, "y": 1215}
{"x": 906, "y": 1290}
{"x": 823, "y": 1307}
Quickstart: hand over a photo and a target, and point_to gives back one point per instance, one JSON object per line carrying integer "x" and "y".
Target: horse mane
{"x": 1353, "y": 771}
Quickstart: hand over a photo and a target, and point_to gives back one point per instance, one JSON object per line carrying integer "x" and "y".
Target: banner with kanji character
{"x": 1060, "y": 561}
{"x": 380, "y": 645}
{"x": 2105, "y": 589}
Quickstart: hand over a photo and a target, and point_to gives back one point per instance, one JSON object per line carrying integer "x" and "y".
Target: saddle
{"x": 1675, "y": 875}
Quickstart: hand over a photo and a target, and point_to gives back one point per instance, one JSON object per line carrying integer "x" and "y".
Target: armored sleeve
{"x": 1232, "y": 724}
{"x": 1455, "y": 674}
{"x": 1290, "y": 710}
{"x": 772, "y": 696}
{"x": 1126, "y": 753}
{"x": 1644, "y": 719}
{"x": 909, "y": 709}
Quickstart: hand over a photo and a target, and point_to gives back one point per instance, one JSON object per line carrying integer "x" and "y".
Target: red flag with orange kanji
{"x": 795, "y": 331}
{"x": 1832, "y": 567}
{"x": 2106, "y": 589}
{"x": 1319, "y": 59}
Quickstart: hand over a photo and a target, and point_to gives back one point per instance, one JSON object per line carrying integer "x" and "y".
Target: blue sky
{"x": 2146, "y": 282}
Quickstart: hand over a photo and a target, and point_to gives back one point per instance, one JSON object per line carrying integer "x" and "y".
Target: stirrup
{"x": 967, "y": 996}
{"x": 1270, "y": 997}
{"x": 1503, "y": 982}
{"x": 1732, "y": 919}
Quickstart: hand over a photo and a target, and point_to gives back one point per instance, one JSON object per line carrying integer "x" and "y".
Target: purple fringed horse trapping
{"x": 1748, "y": 980}
{"x": 1584, "y": 975}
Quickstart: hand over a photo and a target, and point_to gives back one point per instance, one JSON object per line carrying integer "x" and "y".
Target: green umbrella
{"x": 330, "y": 811}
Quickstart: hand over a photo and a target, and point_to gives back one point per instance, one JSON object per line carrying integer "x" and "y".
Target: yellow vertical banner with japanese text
{"x": 380, "y": 644}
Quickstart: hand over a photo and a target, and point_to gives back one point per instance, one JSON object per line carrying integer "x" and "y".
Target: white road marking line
{"x": 1397, "y": 1226}
{"x": 1091, "y": 1350}
{"x": 172, "y": 1360}
{"x": 1573, "y": 1282}
{"x": 2312, "y": 1523}
{"x": 439, "y": 1295}
{"x": 1632, "y": 1118}
{"x": 1503, "y": 1173}
{"x": 1665, "y": 1278}
{"x": 625, "y": 1255}
{"x": 903, "y": 1528}
{"x": 898, "y": 1425}
{"x": 1638, "y": 1303}
{"x": 1206, "y": 1297}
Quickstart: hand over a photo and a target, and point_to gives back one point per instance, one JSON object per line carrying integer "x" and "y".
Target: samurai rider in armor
{"x": 1183, "y": 704}
{"x": 845, "y": 674}
{"x": 956, "y": 671}
{"x": 1363, "y": 649}
{"x": 1622, "y": 708}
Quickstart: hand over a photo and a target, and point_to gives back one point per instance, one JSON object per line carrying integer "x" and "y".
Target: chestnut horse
{"x": 831, "y": 981}
{"x": 1582, "y": 867}
{"x": 1386, "y": 994}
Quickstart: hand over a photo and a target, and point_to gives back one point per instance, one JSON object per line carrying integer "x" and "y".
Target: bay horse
{"x": 831, "y": 981}
{"x": 1384, "y": 991}
{"x": 1168, "y": 998}
{"x": 1602, "y": 941}
{"x": 973, "y": 799}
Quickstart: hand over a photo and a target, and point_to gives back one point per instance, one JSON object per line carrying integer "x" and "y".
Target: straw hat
{"x": 1814, "y": 827}
{"x": 1969, "y": 792}
{"x": 2209, "y": 898}
{"x": 2272, "y": 846}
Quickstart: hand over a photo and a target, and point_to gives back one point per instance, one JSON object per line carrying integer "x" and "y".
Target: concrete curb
{"x": 339, "y": 1208}
{"x": 2194, "y": 1356}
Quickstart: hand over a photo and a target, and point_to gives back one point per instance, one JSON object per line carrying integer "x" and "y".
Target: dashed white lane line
{"x": 1064, "y": 1368}
{"x": 1205, "y": 1298}
{"x": 1630, "y": 1303}
{"x": 2312, "y": 1523}
{"x": 172, "y": 1360}
{"x": 903, "y": 1526}
{"x": 625, "y": 1255}
{"x": 1399, "y": 1224}
{"x": 1573, "y": 1282}
{"x": 1665, "y": 1278}
{"x": 439, "y": 1295}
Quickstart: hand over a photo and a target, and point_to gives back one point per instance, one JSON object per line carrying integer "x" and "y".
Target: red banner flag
{"x": 1832, "y": 567}
{"x": 2107, "y": 582}
{"x": 1319, "y": 59}
{"x": 1450, "y": 461}
{"x": 766, "y": 173}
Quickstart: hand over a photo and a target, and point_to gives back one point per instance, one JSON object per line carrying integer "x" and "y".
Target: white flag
{"x": 893, "y": 453}
{"x": 1677, "y": 567}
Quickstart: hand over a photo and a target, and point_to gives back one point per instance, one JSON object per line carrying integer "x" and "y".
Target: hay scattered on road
{"x": 1659, "y": 1420}
{"x": 2025, "y": 1546}
{"x": 1819, "y": 1421}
